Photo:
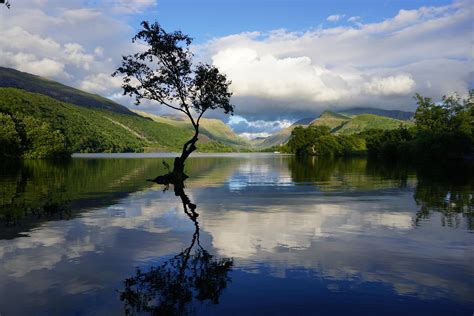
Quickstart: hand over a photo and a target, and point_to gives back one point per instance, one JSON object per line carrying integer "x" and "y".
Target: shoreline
{"x": 175, "y": 154}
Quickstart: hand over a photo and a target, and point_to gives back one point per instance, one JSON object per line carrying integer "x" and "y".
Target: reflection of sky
{"x": 255, "y": 173}
{"x": 338, "y": 242}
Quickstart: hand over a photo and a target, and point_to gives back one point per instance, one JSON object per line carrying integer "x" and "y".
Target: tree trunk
{"x": 188, "y": 148}
{"x": 177, "y": 176}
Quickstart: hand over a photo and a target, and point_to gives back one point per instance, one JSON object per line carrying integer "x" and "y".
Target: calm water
{"x": 275, "y": 236}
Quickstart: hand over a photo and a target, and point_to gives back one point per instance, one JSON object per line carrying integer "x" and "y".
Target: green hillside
{"x": 212, "y": 128}
{"x": 330, "y": 119}
{"x": 11, "y": 78}
{"x": 86, "y": 129}
{"x": 277, "y": 139}
{"x": 338, "y": 123}
{"x": 396, "y": 114}
{"x": 363, "y": 122}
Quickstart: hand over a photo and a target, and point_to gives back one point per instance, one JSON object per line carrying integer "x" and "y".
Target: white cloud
{"x": 63, "y": 41}
{"x": 377, "y": 64}
{"x": 132, "y": 6}
{"x": 99, "y": 51}
{"x": 335, "y": 17}
{"x": 354, "y": 19}
{"x": 257, "y": 128}
{"x": 255, "y": 135}
{"x": 75, "y": 54}
{"x": 29, "y": 63}
{"x": 101, "y": 83}
{"x": 393, "y": 85}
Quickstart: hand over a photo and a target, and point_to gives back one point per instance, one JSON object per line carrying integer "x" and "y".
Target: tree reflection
{"x": 440, "y": 188}
{"x": 447, "y": 189}
{"x": 192, "y": 275}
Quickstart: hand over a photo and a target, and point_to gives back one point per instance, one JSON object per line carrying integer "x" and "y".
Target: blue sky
{"x": 216, "y": 18}
{"x": 287, "y": 59}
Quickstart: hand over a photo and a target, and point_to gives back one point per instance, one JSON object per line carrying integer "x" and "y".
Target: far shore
{"x": 174, "y": 154}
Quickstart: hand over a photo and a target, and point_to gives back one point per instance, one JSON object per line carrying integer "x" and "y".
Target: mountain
{"x": 395, "y": 114}
{"x": 304, "y": 121}
{"x": 11, "y": 78}
{"x": 90, "y": 123}
{"x": 280, "y": 137}
{"x": 339, "y": 123}
{"x": 363, "y": 122}
{"x": 212, "y": 128}
{"x": 330, "y": 119}
{"x": 88, "y": 129}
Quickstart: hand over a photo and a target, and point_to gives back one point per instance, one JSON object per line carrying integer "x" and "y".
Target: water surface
{"x": 275, "y": 236}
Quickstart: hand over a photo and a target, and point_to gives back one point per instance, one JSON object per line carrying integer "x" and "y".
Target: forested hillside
{"x": 38, "y": 126}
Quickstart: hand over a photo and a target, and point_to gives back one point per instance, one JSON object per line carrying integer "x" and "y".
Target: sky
{"x": 286, "y": 59}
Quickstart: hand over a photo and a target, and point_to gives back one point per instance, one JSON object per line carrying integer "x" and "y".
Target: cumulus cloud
{"x": 65, "y": 42}
{"x": 335, "y": 17}
{"x": 258, "y": 128}
{"x": 380, "y": 64}
{"x": 101, "y": 83}
{"x": 393, "y": 85}
{"x": 354, "y": 19}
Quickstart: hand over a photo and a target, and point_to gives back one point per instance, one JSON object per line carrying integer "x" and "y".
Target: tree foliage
{"x": 29, "y": 137}
{"x": 318, "y": 141}
{"x": 442, "y": 130}
{"x": 10, "y": 141}
{"x": 164, "y": 72}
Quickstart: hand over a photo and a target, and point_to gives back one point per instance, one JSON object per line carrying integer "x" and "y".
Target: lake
{"x": 275, "y": 235}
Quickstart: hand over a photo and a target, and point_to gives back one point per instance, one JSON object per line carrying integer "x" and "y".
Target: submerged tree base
{"x": 177, "y": 176}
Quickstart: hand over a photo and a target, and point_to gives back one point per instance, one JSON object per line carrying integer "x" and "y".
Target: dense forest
{"x": 441, "y": 130}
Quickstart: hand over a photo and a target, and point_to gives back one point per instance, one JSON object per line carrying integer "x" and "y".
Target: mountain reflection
{"x": 192, "y": 275}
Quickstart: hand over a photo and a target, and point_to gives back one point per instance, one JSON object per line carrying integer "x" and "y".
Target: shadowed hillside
{"x": 11, "y": 78}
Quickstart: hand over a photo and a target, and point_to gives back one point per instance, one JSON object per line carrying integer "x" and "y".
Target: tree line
{"x": 442, "y": 130}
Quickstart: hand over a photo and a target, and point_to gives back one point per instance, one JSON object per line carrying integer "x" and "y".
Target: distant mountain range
{"x": 344, "y": 122}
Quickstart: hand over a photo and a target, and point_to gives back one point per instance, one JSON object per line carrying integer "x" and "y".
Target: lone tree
{"x": 164, "y": 72}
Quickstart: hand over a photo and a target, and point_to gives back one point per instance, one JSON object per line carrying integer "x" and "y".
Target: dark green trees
{"x": 447, "y": 128}
{"x": 390, "y": 144}
{"x": 442, "y": 130}
{"x": 318, "y": 141}
{"x": 9, "y": 139}
{"x": 29, "y": 138}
